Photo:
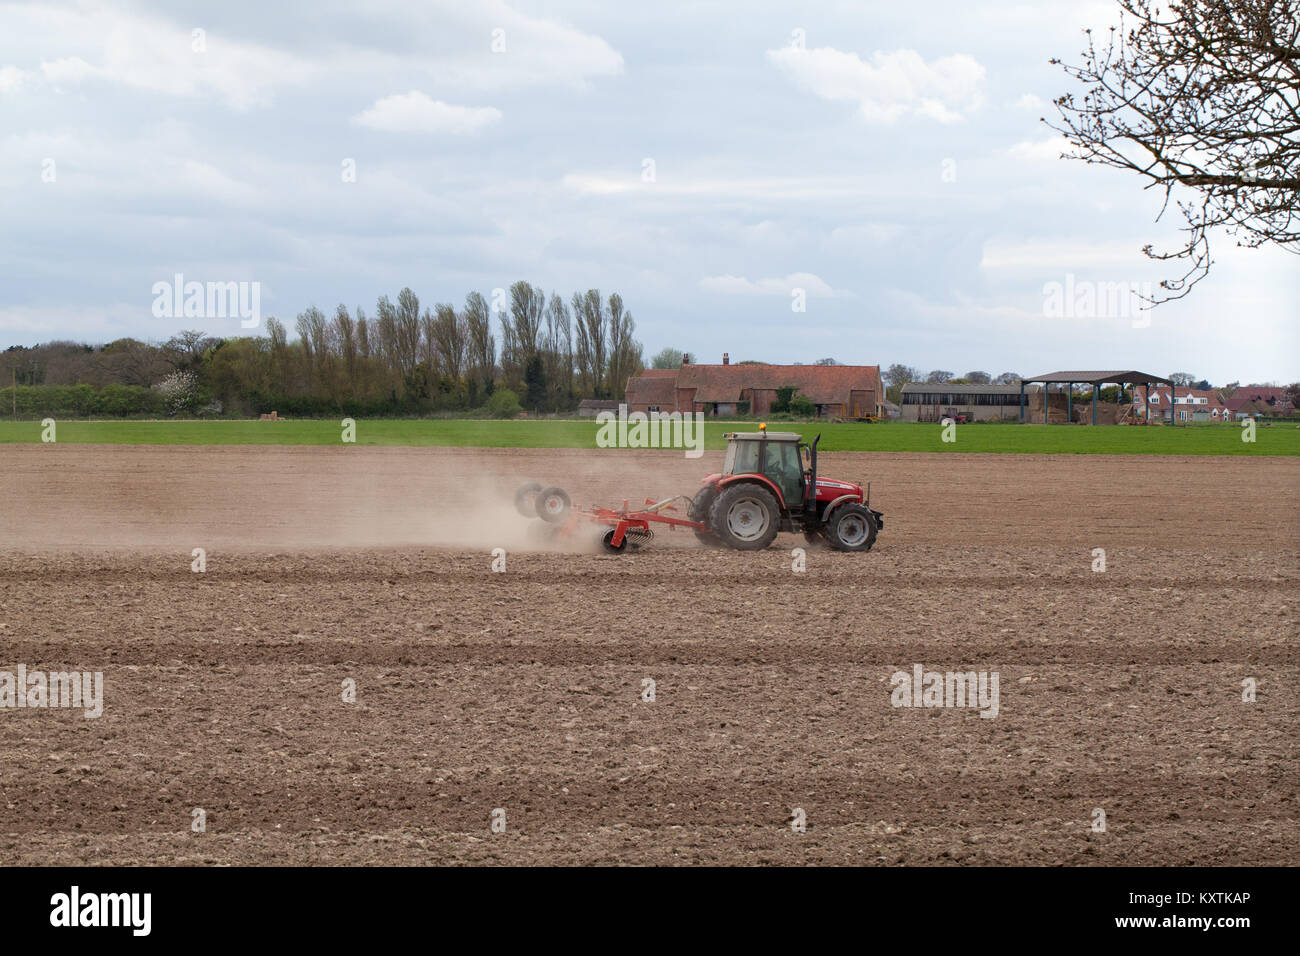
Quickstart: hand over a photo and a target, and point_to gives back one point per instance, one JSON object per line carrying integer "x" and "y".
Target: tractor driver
{"x": 784, "y": 468}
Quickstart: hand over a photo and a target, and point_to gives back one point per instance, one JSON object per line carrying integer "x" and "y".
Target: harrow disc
{"x": 638, "y": 537}
{"x": 633, "y": 540}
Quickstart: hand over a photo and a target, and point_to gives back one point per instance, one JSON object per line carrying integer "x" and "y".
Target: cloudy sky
{"x": 704, "y": 160}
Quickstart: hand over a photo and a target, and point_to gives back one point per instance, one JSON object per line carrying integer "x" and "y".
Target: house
{"x": 1191, "y": 404}
{"x": 653, "y": 390}
{"x": 1241, "y": 408}
{"x": 837, "y": 391}
{"x": 1273, "y": 399}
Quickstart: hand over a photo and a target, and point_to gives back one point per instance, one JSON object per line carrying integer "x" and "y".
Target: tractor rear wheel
{"x": 701, "y": 504}
{"x": 525, "y": 497}
{"x": 553, "y": 505}
{"x": 745, "y": 516}
{"x": 852, "y": 528}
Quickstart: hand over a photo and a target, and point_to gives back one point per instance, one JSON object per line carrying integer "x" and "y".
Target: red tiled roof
{"x": 654, "y": 386}
{"x": 1254, "y": 406}
{"x": 1264, "y": 392}
{"x": 1269, "y": 396}
{"x": 821, "y": 384}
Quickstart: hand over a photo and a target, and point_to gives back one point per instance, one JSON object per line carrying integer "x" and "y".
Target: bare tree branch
{"x": 1201, "y": 98}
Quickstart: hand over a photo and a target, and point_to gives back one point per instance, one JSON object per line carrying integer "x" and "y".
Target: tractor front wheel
{"x": 852, "y": 528}
{"x": 745, "y": 517}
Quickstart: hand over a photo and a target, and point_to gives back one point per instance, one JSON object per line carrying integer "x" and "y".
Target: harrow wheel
{"x": 525, "y": 497}
{"x": 607, "y": 541}
{"x": 552, "y": 504}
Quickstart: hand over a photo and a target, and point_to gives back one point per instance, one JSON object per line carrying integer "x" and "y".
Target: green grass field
{"x": 893, "y": 436}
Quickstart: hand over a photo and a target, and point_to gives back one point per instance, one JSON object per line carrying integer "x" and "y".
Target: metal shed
{"x": 1095, "y": 379}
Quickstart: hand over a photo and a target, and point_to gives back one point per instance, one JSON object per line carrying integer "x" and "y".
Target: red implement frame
{"x": 625, "y": 520}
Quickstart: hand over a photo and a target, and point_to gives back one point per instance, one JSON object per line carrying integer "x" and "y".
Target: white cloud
{"x": 891, "y": 86}
{"x": 813, "y": 285}
{"x": 1040, "y": 151}
{"x": 537, "y": 51}
{"x": 416, "y": 112}
{"x": 103, "y": 44}
{"x": 871, "y": 234}
{"x": 1064, "y": 254}
{"x": 11, "y": 78}
{"x": 72, "y": 69}
{"x": 213, "y": 183}
{"x": 1030, "y": 103}
{"x": 765, "y": 188}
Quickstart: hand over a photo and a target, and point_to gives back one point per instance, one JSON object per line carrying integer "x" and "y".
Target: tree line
{"x": 521, "y": 350}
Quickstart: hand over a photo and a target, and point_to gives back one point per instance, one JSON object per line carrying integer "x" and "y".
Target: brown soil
{"x": 521, "y": 690}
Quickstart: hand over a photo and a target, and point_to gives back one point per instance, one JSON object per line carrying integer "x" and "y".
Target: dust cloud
{"x": 280, "y": 497}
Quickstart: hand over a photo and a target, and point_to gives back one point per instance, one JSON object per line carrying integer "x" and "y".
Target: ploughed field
{"x": 522, "y": 690}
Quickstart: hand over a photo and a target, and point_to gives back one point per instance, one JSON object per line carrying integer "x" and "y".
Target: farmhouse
{"x": 1271, "y": 400}
{"x": 838, "y": 391}
{"x": 1237, "y": 409}
{"x": 1189, "y": 405}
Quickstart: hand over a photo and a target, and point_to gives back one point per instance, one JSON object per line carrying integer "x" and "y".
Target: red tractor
{"x": 768, "y": 483}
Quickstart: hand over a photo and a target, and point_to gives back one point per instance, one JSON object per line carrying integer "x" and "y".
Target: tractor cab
{"x": 781, "y": 457}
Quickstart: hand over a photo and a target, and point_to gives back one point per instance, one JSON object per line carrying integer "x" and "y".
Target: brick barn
{"x": 838, "y": 391}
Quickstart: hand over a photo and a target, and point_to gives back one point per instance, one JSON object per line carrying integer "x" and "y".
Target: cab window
{"x": 785, "y": 470}
{"x": 742, "y": 458}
